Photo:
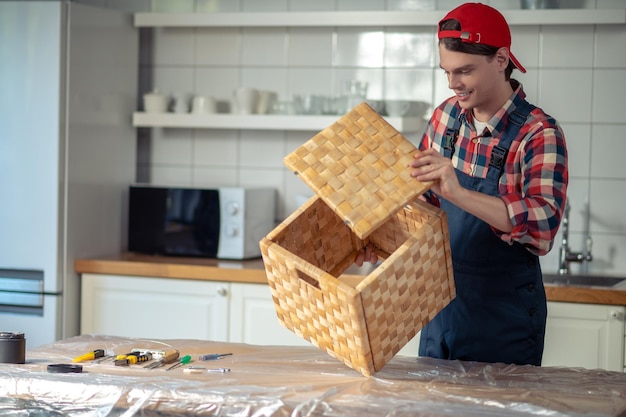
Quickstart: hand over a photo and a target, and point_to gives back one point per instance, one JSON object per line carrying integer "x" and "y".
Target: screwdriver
{"x": 213, "y": 356}
{"x": 183, "y": 361}
{"x": 169, "y": 356}
{"x": 125, "y": 360}
{"x": 98, "y": 353}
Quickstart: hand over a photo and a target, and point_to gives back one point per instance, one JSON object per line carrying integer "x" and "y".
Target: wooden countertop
{"x": 252, "y": 271}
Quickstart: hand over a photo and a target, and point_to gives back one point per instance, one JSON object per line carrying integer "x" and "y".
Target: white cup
{"x": 181, "y": 104}
{"x": 284, "y": 107}
{"x": 155, "y": 102}
{"x": 397, "y": 108}
{"x": 203, "y": 105}
{"x": 245, "y": 100}
{"x": 310, "y": 103}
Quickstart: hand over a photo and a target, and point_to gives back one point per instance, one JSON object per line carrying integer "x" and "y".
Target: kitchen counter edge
{"x": 253, "y": 271}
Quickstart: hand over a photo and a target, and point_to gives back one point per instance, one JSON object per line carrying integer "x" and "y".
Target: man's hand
{"x": 366, "y": 254}
{"x": 430, "y": 165}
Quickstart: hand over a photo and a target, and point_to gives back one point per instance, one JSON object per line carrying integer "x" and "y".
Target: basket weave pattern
{"x": 364, "y": 324}
{"x": 358, "y": 170}
{"x": 358, "y": 166}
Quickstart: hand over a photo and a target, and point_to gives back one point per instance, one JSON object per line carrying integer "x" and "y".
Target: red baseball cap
{"x": 480, "y": 24}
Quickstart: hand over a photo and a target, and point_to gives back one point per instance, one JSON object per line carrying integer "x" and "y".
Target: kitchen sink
{"x": 583, "y": 280}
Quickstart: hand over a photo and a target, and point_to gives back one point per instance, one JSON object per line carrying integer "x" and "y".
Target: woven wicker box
{"x": 362, "y": 321}
{"x": 364, "y": 196}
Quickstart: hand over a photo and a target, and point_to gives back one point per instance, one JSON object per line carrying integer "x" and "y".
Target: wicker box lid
{"x": 359, "y": 167}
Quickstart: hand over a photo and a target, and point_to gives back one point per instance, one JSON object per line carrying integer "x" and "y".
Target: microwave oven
{"x": 222, "y": 223}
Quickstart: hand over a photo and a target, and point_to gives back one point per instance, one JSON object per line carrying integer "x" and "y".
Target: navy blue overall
{"x": 499, "y": 312}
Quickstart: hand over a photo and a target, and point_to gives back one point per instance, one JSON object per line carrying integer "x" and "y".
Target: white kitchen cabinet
{"x": 155, "y": 308}
{"x": 585, "y": 335}
{"x": 254, "y": 320}
{"x": 161, "y": 308}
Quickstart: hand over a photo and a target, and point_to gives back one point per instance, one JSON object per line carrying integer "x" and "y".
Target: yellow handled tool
{"x": 98, "y": 353}
{"x": 125, "y": 360}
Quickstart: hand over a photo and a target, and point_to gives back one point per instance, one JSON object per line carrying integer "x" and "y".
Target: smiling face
{"x": 478, "y": 81}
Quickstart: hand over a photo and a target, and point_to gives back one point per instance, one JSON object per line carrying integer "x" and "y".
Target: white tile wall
{"x": 568, "y": 46}
{"x": 609, "y": 87}
{"x": 217, "y": 47}
{"x": 576, "y": 73}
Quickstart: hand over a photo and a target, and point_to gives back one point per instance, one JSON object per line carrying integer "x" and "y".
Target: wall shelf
{"x": 370, "y": 18}
{"x": 257, "y": 122}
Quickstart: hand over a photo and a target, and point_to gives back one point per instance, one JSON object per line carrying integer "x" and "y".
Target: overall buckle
{"x": 498, "y": 157}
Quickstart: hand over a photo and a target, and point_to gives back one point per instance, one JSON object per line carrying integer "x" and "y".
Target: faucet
{"x": 566, "y": 256}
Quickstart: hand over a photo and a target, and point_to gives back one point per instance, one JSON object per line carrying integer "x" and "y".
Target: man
{"x": 501, "y": 171}
{"x": 500, "y": 166}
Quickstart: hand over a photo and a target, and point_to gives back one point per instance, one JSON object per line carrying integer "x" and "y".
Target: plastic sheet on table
{"x": 296, "y": 381}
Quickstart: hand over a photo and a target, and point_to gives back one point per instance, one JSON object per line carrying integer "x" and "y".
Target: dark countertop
{"x": 252, "y": 271}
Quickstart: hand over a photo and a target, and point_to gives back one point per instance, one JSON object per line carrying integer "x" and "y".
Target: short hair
{"x": 457, "y": 45}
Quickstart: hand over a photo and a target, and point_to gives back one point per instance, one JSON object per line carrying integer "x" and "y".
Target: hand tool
{"x": 124, "y": 356}
{"x": 202, "y": 369}
{"x": 168, "y": 357}
{"x": 213, "y": 356}
{"x": 156, "y": 353}
{"x": 104, "y": 358}
{"x": 126, "y": 360}
{"x": 194, "y": 369}
{"x": 98, "y": 353}
{"x": 221, "y": 370}
{"x": 183, "y": 361}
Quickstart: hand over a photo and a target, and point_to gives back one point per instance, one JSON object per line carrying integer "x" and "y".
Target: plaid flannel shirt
{"x": 534, "y": 182}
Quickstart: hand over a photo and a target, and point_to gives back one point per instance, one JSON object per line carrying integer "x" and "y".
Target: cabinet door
{"x": 585, "y": 335}
{"x": 154, "y": 307}
{"x": 254, "y": 320}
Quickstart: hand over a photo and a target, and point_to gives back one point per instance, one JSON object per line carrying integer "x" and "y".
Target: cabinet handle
{"x": 222, "y": 291}
{"x": 616, "y": 314}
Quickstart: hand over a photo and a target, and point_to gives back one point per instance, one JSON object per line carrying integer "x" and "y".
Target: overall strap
{"x": 516, "y": 120}
{"x": 452, "y": 134}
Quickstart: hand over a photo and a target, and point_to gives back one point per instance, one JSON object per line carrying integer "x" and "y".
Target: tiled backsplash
{"x": 575, "y": 72}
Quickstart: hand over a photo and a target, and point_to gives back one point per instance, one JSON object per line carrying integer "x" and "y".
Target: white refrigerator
{"x": 68, "y": 85}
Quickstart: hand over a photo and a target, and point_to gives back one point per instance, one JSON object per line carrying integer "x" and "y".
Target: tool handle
{"x": 170, "y": 355}
{"x": 132, "y": 359}
{"x": 98, "y": 353}
{"x": 144, "y": 358}
{"x": 184, "y": 360}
